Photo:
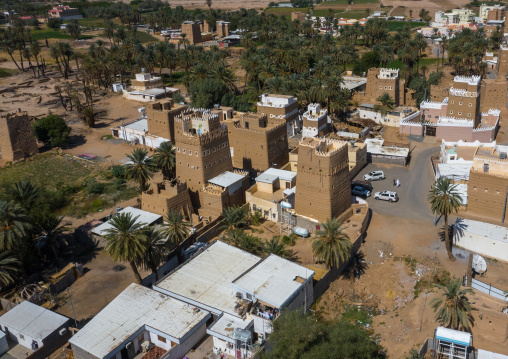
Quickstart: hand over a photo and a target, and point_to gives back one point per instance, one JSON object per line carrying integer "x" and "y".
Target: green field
{"x": 145, "y": 37}
{"x": 55, "y": 34}
{"x": 91, "y": 22}
{"x": 344, "y": 2}
{"x": 354, "y": 14}
{"x": 5, "y": 72}
{"x": 47, "y": 170}
{"x": 285, "y": 10}
{"x": 395, "y": 25}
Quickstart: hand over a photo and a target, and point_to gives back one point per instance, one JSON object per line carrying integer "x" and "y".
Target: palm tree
{"x": 209, "y": 4}
{"x": 234, "y": 217}
{"x": 445, "y": 199}
{"x": 124, "y": 241}
{"x": 141, "y": 169}
{"x": 452, "y": 308}
{"x": 331, "y": 245}
{"x": 155, "y": 250}
{"x": 25, "y": 194}
{"x": 276, "y": 246}
{"x": 164, "y": 158}
{"x": 9, "y": 268}
{"x": 387, "y": 104}
{"x": 14, "y": 225}
{"x": 51, "y": 230}
{"x": 176, "y": 229}
{"x": 234, "y": 236}
{"x": 250, "y": 243}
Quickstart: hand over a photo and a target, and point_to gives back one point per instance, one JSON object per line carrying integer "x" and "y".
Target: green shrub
{"x": 52, "y": 129}
{"x": 118, "y": 171}
{"x": 95, "y": 188}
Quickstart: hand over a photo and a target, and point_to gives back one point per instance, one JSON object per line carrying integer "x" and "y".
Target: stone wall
{"x": 163, "y": 197}
{"x": 17, "y": 140}
{"x": 493, "y": 94}
{"x": 454, "y": 133}
{"x": 323, "y": 188}
{"x": 485, "y": 136}
{"x": 486, "y": 194}
{"x": 502, "y": 61}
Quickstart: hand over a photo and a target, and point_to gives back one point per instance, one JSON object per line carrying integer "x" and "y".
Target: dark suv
{"x": 365, "y": 184}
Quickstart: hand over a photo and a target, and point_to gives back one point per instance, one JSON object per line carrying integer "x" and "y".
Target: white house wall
{"x": 481, "y": 244}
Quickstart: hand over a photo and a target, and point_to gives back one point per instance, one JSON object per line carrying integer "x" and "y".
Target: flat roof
{"x": 483, "y": 229}
{"x": 206, "y": 278}
{"x": 282, "y": 174}
{"x": 456, "y": 169}
{"x": 484, "y": 354}
{"x": 141, "y": 125}
{"x": 274, "y": 280}
{"x": 226, "y": 179}
{"x": 226, "y": 325}
{"x": 144, "y": 217}
{"x": 375, "y": 146}
{"x": 266, "y": 178}
{"x": 133, "y": 309}
{"x": 32, "y": 320}
{"x": 351, "y": 83}
{"x": 149, "y": 92}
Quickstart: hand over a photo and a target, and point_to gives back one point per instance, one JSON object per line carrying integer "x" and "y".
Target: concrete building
{"x": 378, "y": 153}
{"x": 141, "y": 217}
{"x": 257, "y": 142}
{"x": 241, "y": 289}
{"x": 283, "y": 108}
{"x": 165, "y": 196}
{"x": 491, "y": 12}
{"x": 315, "y": 121}
{"x": 482, "y": 238}
{"x": 502, "y": 60}
{"x": 35, "y": 328}
{"x": 391, "y": 118}
{"x": 161, "y": 118}
{"x": 146, "y": 88}
{"x": 271, "y": 188}
{"x": 323, "y": 190}
{"x": 136, "y": 319}
{"x": 192, "y": 30}
{"x": 136, "y": 132}
{"x": 64, "y": 12}
{"x": 17, "y": 140}
{"x": 459, "y": 115}
{"x": 222, "y": 28}
{"x": 455, "y": 16}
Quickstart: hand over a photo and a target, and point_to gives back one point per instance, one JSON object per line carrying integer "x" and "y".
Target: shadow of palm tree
{"x": 356, "y": 267}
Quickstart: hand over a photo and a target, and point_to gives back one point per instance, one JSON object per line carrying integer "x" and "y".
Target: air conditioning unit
{"x": 129, "y": 345}
{"x": 261, "y": 338}
{"x": 216, "y": 350}
{"x": 62, "y": 331}
{"x": 146, "y": 346}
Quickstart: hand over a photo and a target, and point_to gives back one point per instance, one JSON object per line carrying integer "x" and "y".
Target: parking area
{"x": 415, "y": 182}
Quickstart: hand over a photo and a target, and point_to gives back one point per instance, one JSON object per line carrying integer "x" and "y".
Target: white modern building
{"x": 146, "y": 88}
{"x": 34, "y": 327}
{"x": 391, "y": 118}
{"x": 142, "y": 217}
{"x": 315, "y": 121}
{"x": 243, "y": 292}
{"x": 136, "y": 133}
{"x": 138, "y": 319}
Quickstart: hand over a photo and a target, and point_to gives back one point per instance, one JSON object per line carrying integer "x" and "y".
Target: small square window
{"x": 470, "y": 105}
{"x": 453, "y": 101}
{"x": 460, "y": 103}
{"x": 184, "y": 150}
{"x": 451, "y": 112}
{"x": 460, "y": 113}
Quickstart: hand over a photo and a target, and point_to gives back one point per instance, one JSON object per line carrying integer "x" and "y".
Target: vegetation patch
{"x": 397, "y": 25}
{"x": 5, "y": 72}
{"x": 55, "y": 34}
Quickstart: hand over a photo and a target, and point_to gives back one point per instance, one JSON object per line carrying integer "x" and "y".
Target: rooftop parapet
{"x": 470, "y": 80}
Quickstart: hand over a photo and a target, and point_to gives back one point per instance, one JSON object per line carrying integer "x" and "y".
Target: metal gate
{"x": 430, "y": 130}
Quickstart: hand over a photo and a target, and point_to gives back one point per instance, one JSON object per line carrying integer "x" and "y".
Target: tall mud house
{"x": 283, "y": 108}
{"x": 202, "y": 149}
{"x": 17, "y": 140}
{"x": 323, "y": 188}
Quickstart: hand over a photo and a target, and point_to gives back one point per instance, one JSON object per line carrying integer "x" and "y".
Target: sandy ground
{"x": 430, "y": 5}
{"x": 388, "y": 285}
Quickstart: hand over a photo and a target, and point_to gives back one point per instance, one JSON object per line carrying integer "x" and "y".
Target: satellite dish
{"x": 479, "y": 264}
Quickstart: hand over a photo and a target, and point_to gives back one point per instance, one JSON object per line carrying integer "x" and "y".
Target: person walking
{"x": 398, "y": 183}
{"x": 394, "y": 182}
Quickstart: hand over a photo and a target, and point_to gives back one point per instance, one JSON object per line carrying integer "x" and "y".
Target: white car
{"x": 387, "y": 196}
{"x": 374, "y": 176}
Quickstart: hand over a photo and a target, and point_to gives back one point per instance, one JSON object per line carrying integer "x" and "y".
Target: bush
{"x": 118, "y": 171}
{"x": 119, "y": 184}
{"x": 54, "y": 23}
{"x": 52, "y": 129}
{"x": 95, "y": 188}
{"x": 178, "y": 98}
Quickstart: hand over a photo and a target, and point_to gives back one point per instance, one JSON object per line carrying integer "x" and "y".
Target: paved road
{"x": 416, "y": 181}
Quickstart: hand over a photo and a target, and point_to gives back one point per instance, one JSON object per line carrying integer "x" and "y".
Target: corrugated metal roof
{"x": 272, "y": 280}
{"x": 135, "y": 307}
{"x": 207, "y": 277}
{"x": 32, "y": 320}
{"x": 484, "y": 354}
{"x": 144, "y": 217}
{"x": 275, "y": 172}
{"x": 226, "y": 179}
